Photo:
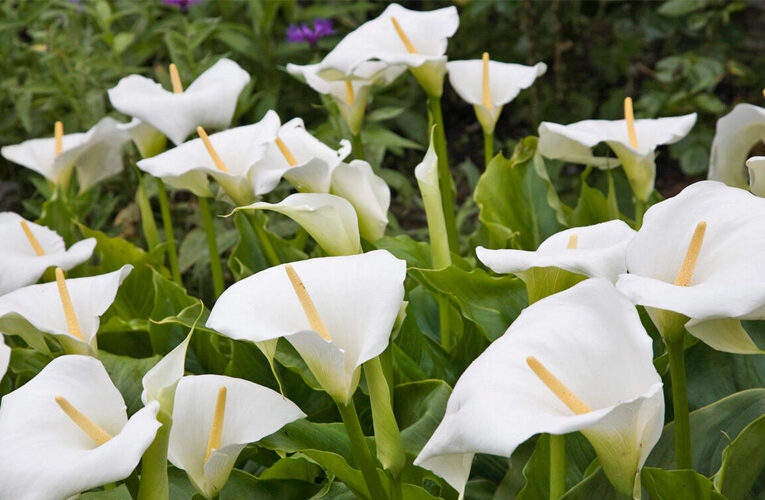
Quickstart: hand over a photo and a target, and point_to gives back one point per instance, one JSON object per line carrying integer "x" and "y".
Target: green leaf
{"x": 119, "y": 493}
{"x": 579, "y": 454}
{"x": 127, "y": 373}
{"x": 241, "y": 485}
{"x": 419, "y": 408}
{"x": 595, "y": 485}
{"x": 415, "y": 253}
{"x": 170, "y": 299}
{"x": 390, "y": 451}
{"x": 678, "y": 485}
{"x": 743, "y": 462}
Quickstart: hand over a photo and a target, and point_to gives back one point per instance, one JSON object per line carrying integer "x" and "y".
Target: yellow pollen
{"x": 486, "y": 90}
{"x": 32, "y": 240}
{"x": 685, "y": 273}
{"x": 306, "y": 302}
{"x": 350, "y": 96}
{"x": 572, "y": 241}
{"x": 216, "y": 430}
{"x": 562, "y": 392}
{"x": 71, "y": 319}
{"x": 405, "y": 39}
{"x": 629, "y": 117}
{"x": 211, "y": 150}
{"x": 93, "y": 430}
{"x": 58, "y": 133}
{"x": 286, "y": 152}
{"x": 175, "y": 79}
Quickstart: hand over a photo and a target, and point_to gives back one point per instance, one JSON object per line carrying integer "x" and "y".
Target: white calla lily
{"x": 596, "y": 251}
{"x": 147, "y": 139}
{"x": 367, "y": 192}
{"x": 70, "y": 309}
{"x": 95, "y": 154}
{"x": 329, "y": 219}
{"x": 591, "y": 340}
{"x": 352, "y": 93}
{"x": 5, "y": 356}
{"x": 574, "y": 143}
{"x": 355, "y": 298}
{"x": 230, "y": 161}
{"x": 49, "y": 451}
{"x": 26, "y": 256}
{"x": 207, "y": 434}
{"x": 489, "y": 85}
{"x": 735, "y": 134}
{"x": 208, "y": 102}
{"x": 693, "y": 256}
{"x": 160, "y": 382}
{"x": 756, "y": 166}
{"x": 397, "y": 36}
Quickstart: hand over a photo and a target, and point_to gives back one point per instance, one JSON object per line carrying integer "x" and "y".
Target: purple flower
{"x": 303, "y": 33}
{"x": 181, "y": 4}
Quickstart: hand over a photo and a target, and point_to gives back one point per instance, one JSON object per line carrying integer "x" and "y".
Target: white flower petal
{"x": 600, "y": 252}
{"x": 506, "y": 80}
{"x": 368, "y": 193}
{"x": 591, "y": 338}
{"x": 251, "y": 413}
{"x": 735, "y": 135}
{"x": 727, "y": 335}
{"x": 756, "y": 166}
{"x": 44, "y": 455}
{"x": 208, "y": 102}
{"x": 147, "y": 139}
{"x": 159, "y": 383}
{"x": 329, "y": 219}
{"x": 358, "y": 298}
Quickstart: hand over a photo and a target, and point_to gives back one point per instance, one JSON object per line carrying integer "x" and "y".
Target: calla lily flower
{"x": 160, "y": 382}
{"x": 95, "y": 154}
{"x": 214, "y": 418}
{"x": 338, "y": 312}
{"x": 697, "y": 255}
{"x": 28, "y": 249}
{"x": 329, "y": 219}
{"x": 148, "y": 140}
{"x": 397, "y": 36}
{"x": 596, "y": 251}
{"x": 208, "y": 102}
{"x": 735, "y": 135}
{"x": 351, "y": 94}
{"x": 489, "y": 85}
{"x": 70, "y": 309}
{"x": 230, "y": 160}
{"x": 301, "y": 158}
{"x": 67, "y": 431}
{"x": 579, "y": 360}
{"x": 367, "y": 192}
{"x": 636, "y": 152}
{"x": 756, "y": 166}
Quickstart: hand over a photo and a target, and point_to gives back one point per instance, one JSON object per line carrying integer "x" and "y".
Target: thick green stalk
{"x": 361, "y": 450}
{"x": 154, "y": 485}
{"x": 488, "y": 148}
{"x": 215, "y": 266}
{"x": 148, "y": 224}
{"x": 445, "y": 181}
{"x": 167, "y": 222}
{"x": 679, "y": 402}
{"x": 271, "y": 256}
{"x": 358, "y": 147}
{"x": 557, "y": 466}
{"x": 640, "y": 206}
{"x": 390, "y": 450}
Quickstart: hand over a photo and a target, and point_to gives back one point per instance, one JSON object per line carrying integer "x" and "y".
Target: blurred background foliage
{"x": 673, "y": 57}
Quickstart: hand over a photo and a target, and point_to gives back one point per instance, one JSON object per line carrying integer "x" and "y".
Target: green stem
{"x": 390, "y": 449}
{"x": 557, "y": 466}
{"x": 167, "y": 222}
{"x": 358, "y": 147}
{"x": 148, "y": 224}
{"x": 640, "y": 206}
{"x": 488, "y": 147}
{"x": 271, "y": 256}
{"x": 361, "y": 450}
{"x": 445, "y": 181}
{"x": 154, "y": 485}
{"x": 680, "y": 402}
{"x": 215, "y": 266}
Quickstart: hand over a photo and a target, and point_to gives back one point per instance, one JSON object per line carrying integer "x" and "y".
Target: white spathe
{"x": 366, "y": 75}
{"x": 315, "y": 160}
{"x": 590, "y": 338}
{"x": 19, "y": 263}
{"x": 329, "y": 219}
{"x": 377, "y": 40}
{"x": 728, "y": 282}
{"x": 160, "y": 382}
{"x": 251, "y": 413}
{"x": 756, "y": 166}
{"x": 506, "y": 80}
{"x": 574, "y": 142}
{"x": 189, "y": 165}
{"x": 148, "y": 140}
{"x": 735, "y": 134}
{"x": 600, "y": 252}
{"x": 40, "y": 307}
{"x": 45, "y": 455}
{"x": 367, "y": 192}
{"x": 357, "y": 297}
{"x": 95, "y": 154}
{"x": 208, "y": 102}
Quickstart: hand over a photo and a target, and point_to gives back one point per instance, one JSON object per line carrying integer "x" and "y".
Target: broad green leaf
{"x": 678, "y": 485}
{"x": 743, "y": 463}
{"x": 119, "y": 493}
{"x": 593, "y": 486}
{"x": 415, "y": 253}
{"x": 241, "y": 485}
{"x": 126, "y": 373}
{"x": 419, "y": 408}
{"x": 169, "y": 300}
{"x": 390, "y": 451}
{"x": 579, "y": 454}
